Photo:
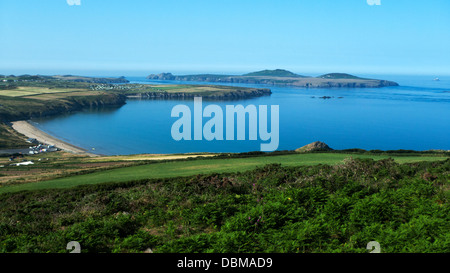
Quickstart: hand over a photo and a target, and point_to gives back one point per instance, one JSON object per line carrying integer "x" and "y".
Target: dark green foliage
{"x": 405, "y": 207}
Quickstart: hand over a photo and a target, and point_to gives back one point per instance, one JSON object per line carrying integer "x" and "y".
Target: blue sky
{"x": 308, "y": 37}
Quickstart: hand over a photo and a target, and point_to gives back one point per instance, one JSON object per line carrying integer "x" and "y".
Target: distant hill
{"x": 273, "y": 73}
{"x": 69, "y": 78}
{"x": 90, "y": 79}
{"x": 339, "y": 76}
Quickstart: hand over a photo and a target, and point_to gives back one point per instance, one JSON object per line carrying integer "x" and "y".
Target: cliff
{"x": 222, "y": 95}
{"x": 22, "y": 109}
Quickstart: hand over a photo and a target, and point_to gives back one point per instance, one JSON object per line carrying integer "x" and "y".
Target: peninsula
{"x": 28, "y": 96}
{"x": 280, "y": 77}
{"x": 25, "y": 97}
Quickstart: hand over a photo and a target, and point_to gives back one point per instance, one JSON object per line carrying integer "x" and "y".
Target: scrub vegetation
{"x": 273, "y": 208}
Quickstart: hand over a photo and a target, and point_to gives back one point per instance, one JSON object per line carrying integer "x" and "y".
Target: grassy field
{"x": 23, "y": 91}
{"x": 12, "y": 139}
{"x": 54, "y": 165}
{"x": 202, "y": 166}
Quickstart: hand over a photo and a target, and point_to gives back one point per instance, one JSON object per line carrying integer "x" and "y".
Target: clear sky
{"x": 119, "y": 37}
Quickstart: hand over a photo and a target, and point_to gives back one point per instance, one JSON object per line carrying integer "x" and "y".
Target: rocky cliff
{"x": 229, "y": 95}
{"x": 26, "y": 109}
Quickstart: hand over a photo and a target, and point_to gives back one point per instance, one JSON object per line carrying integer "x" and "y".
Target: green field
{"x": 23, "y": 91}
{"x": 203, "y": 166}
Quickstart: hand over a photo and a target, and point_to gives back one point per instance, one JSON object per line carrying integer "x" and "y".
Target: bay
{"x": 412, "y": 116}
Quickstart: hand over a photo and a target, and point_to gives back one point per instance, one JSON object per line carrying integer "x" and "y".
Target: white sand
{"x": 27, "y": 129}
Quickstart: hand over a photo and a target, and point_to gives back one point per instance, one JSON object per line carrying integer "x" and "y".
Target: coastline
{"x": 26, "y": 128}
{"x": 31, "y": 131}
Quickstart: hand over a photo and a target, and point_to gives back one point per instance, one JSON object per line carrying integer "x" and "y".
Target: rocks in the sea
{"x": 315, "y": 146}
{"x": 326, "y": 97}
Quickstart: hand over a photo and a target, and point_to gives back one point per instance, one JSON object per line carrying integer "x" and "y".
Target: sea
{"x": 412, "y": 116}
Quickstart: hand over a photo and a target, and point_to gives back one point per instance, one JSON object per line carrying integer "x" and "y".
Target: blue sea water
{"x": 414, "y": 115}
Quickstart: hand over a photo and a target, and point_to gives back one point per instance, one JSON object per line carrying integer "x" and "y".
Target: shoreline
{"x": 31, "y": 131}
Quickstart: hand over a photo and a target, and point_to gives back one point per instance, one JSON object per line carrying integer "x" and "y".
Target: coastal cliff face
{"x": 110, "y": 99}
{"x": 230, "y": 95}
{"x": 26, "y": 109}
{"x": 297, "y": 81}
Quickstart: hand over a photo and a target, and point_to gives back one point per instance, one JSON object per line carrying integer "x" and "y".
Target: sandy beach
{"x": 27, "y": 129}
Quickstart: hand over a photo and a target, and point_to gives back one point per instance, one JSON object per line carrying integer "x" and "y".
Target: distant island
{"x": 281, "y": 77}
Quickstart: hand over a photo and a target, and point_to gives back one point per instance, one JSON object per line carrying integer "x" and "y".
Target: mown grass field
{"x": 203, "y": 166}
{"x": 23, "y": 91}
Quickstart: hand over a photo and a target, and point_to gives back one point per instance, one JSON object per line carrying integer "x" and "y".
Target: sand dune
{"x": 27, "y": 129}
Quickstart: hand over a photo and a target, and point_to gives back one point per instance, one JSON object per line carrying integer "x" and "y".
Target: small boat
{"x": 436, "y": 79}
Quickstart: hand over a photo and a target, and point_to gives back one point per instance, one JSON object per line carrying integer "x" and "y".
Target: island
{"x": 281, "y": 77}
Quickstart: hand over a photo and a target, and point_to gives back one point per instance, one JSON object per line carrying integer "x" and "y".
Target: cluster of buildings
{"x": 99, "y": 87}
{"x": 40, "y": 148}
{"x": 36, "y": 149}
{"x": 123, "y": 87}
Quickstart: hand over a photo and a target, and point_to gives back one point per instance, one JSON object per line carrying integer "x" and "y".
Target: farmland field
{"x": 202, "y": 166}
{"x": 23, "y": 91}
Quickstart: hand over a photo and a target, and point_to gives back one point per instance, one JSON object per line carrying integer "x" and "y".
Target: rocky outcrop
{"x": 315, "y": 146}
